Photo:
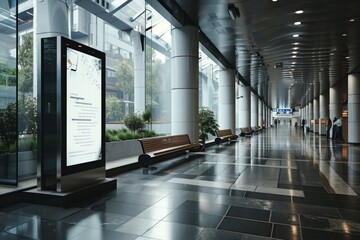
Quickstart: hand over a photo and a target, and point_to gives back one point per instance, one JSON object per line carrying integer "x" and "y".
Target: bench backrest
{"x": 163, "y": 142}
{"x": 223, "y": 132}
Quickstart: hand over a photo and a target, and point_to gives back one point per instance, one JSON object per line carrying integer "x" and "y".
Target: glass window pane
{"x": 8, "y": 117}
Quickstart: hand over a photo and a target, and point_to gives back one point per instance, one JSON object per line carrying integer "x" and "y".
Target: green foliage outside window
{"x": 8, "y": 134}
{"x": 125, "y": 78}
{"x": 26, "y": 64}
{"x": 134, "y": 122}
{"x": 113, "y": 109}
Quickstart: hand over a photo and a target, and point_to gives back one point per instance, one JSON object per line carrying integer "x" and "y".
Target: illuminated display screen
{"x": 284, "y": 111}
{"x": 83, "y": 107}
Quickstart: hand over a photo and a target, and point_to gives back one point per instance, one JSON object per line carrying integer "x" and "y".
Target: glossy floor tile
{"x": 278, "y": 184}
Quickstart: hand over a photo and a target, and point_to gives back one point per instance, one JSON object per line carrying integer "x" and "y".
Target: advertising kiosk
{"x": 71, "y": 142}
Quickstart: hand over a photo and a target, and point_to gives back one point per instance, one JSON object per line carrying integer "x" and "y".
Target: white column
{"x": 260, "y": 112}
{"x": 354, "y": 108}
{"x": 139, "y": 72}
{"x": 310, "y": 115}
{"x": 316, "y": 114}
{"x": 185, "y": 82}
{"x": 227, "y": 99}
{"x": 323, "y": 111}
{"x": 243, "y": 100}
{"x": 334, "y": 103}
{"x": 264, "y": 113}
{"x": 254, "y": 110}
{"x": 45, "y": 26}
{"x": 311, "y": 110}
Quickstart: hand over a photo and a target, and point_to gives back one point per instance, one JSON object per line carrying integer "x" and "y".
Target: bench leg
{"x": 144, "y": 160}
{"x": 148, "y": 169}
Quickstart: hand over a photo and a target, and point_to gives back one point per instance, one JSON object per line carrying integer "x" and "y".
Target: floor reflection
{"x": 282, "y": 183}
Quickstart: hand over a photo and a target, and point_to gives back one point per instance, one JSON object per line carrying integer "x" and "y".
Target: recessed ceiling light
{"x": 344, "y": 34}
{"x": 274, "y": 0}
{"x": 352, "y": 20}
{"x": 294, "y": 52}
{"x": 297, "y": 23}
{"x": 296, "y": 43}
{"x": 347, "y": 57}
{"x": 295, "y": 48}
{"x": 296, "y": 35}
{"x": 293, "y": 63}
{"x": 299, "y": 12}
{"x": 293, "y": 56}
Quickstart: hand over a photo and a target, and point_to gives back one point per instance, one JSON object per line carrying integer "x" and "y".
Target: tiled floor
{"x": 279, "y": 184}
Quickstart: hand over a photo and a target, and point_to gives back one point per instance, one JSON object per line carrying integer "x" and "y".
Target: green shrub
{"x": 25, "y": 144}
{"x": 124, "y": 134}
{"x": 149, "y": 134}
{"x": 121, "y": 135}
{"x": 134, "y": 122}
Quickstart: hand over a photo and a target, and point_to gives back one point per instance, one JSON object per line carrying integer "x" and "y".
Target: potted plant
{"x": 207, "y": 124}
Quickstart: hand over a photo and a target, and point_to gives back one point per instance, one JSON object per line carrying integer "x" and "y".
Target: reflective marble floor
{"x": 278, "y": 184}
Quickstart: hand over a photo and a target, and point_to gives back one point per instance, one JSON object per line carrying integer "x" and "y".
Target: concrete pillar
{"x": 227, "y": 99}
{"x": 254, "y": 110}
{"x": 185, "y": 82}
{"x": 260, "y": 112}
{"x": 354, "y": 108}
{"x": 243, "y": 100}
{"x": 311, "y": 115}
{"x": 334, "y": 104}
{"x": 139, "y": 71}
{"x": 263, "y": 123}
{"x": 316, "y": 115}
{"x": 323, "y": 112}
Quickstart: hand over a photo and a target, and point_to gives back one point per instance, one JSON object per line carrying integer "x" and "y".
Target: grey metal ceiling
{"x": 328, "y": 46}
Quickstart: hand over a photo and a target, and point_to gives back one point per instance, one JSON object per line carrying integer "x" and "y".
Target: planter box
{"x": 27, "y": 164}
{"x": 122, "y": 149}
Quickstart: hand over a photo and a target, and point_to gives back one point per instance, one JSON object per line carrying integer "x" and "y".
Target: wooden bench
{"x": 255, "y": 129}
{"x": 224, "y": 135}
{"x": 245, "y": 132}
{"x": 158, "y": 148}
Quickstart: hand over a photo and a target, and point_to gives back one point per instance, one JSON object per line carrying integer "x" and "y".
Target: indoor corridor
{"x": 279, "y": 184}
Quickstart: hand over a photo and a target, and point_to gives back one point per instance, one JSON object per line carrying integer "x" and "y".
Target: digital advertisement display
{"x": 83, "y": 104}
{"x": 284, "y": 111}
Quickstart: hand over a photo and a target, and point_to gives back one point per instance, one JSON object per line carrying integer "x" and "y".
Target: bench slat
{"x": 158, "y": 143}
{"x": 224, "y": 134}
{"x": 164, "y": 145}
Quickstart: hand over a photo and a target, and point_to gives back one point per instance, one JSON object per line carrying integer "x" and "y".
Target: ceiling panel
{"x": 281, "y": 67}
